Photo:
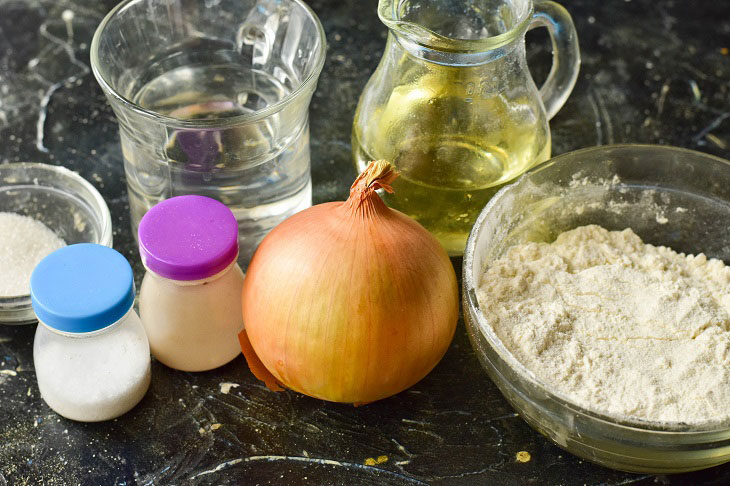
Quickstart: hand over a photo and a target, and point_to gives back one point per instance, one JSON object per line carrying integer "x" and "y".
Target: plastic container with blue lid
{"x": 91, "y": 353}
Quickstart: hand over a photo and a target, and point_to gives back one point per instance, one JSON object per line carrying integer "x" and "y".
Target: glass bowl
{"x": 668, "y": 196}
{"x": 62, "y": 200}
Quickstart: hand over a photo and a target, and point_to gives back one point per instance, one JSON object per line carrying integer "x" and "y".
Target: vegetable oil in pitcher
{"x": 455, "y": 139}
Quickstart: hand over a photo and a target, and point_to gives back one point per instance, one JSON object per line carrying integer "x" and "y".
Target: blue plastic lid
{"x": 82, "y": 288}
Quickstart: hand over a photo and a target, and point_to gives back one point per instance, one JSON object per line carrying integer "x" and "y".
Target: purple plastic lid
{"x": 188, "y": 238}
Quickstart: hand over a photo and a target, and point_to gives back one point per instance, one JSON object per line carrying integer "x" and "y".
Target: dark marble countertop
{"x": 654, "y": 71}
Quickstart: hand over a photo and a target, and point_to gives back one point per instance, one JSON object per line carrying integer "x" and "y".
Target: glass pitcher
{"x": 212, "y": 98}
{"x": 453, "y": 106}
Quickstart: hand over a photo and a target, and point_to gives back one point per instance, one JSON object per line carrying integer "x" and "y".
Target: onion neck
{"x": 379, "y": 174}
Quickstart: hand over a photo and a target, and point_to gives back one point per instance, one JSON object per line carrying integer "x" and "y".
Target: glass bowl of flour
{"x": 615, "y": 344}
{"x": 42, "y": 207}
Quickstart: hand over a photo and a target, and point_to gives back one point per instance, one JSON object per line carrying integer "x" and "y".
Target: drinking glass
{"x": 212, "y": 98}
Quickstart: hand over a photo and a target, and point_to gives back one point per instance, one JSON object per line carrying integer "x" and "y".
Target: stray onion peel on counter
{"x": 349, "y": 301}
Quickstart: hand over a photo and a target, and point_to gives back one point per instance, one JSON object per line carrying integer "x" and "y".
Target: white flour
{"x": 24, "y": 242}
{"x": 615, "y": 325}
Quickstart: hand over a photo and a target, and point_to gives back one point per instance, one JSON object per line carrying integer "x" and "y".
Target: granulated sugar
{"x": 615, "y": 325}
{"x": 24, "y": 242}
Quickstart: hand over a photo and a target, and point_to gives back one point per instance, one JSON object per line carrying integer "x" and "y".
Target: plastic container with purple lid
{"x": 190, "y": 299}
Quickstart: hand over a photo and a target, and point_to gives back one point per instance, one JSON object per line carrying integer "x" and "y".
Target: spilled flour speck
{"x": 226, "y": 387}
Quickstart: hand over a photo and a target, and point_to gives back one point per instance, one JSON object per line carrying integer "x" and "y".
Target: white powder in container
{"x": 91, "y": 355}
{"x": 94, "y": 378}
{"x": 615, "y": 325}
{"x": 24, "y": 242}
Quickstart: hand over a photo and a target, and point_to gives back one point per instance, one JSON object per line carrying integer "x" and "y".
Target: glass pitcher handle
{"x": 258, "y": 31}
{"x": 566, "y": 55}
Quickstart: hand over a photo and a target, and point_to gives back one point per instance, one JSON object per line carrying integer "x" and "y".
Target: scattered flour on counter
{"x": 24, "y": 242}
{"x": 226, "y": 387}
{"x": 615, "y": 325}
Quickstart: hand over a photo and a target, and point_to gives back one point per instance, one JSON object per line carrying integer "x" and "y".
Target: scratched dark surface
{"x": 653, "y": 71}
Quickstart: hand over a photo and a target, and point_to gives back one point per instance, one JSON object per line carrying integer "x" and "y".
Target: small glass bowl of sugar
{"x": 42, "y": 207}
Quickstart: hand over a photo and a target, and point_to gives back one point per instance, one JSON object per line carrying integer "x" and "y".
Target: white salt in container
{"x": 60, "y": 200}
{"x": 91, "y": 353}
{"x": 24, "y": 242}
{"x": 190, "y": 300}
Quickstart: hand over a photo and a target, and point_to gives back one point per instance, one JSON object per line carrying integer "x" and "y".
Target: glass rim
{"x": 92, "y": 200}
{"x": 215, "y": 122}
{"x": 387, "y": 11}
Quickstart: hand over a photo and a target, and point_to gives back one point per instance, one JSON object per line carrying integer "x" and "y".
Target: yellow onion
{"x": 349, "y": 301}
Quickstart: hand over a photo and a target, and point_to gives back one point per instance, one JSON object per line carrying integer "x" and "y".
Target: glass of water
{"x": 212, "y": 98}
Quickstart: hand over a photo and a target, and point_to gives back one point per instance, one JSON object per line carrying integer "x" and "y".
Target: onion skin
{"x": 349, "y": 301}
